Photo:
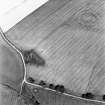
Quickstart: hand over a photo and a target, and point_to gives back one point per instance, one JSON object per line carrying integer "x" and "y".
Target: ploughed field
{"x": 74, "y": 58}
{"x": 71, "y": 40}
{"x": 74, "y": 53}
